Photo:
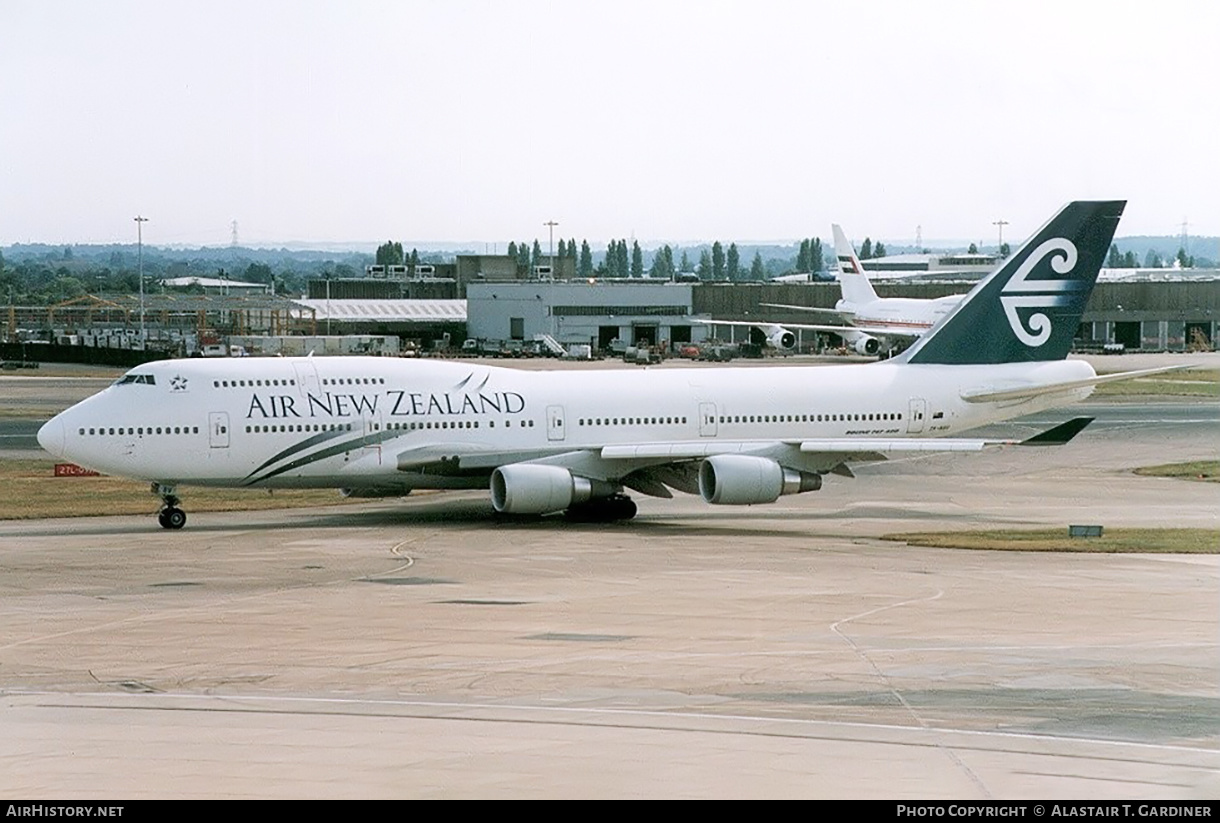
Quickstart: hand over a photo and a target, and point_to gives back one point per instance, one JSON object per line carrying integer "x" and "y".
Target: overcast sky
{"x": 663, "y": 121}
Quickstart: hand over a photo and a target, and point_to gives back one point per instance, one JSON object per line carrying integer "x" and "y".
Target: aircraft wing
{"x": 813, "y": 309}
{"x": 752, "y": 324}
{"x": 876, "y": 331}
{"x": 831, "y": 451}
{"x": 841, "y": 446}
{"x": 653, "y": 468}
{"x": 1000, "y": 394}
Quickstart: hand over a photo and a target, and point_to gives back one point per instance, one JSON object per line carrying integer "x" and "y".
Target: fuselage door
{"x": 218, "y": 430}
{"x": 707, "y": 419}
{"x": 918, "y": 410}
{"x": 307, "y": 376}
{"x": 554, "y": 423}
{"x": 373, "y": 426}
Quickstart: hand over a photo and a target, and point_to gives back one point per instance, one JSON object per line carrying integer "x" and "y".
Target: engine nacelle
{"x": 743, "y": 480}
{"x": 867, "y": 345}
{"x": 528, "y": 488}
{"x": 779, "y": 338}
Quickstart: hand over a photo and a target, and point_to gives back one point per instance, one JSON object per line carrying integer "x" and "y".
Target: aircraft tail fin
{"x": 852, "y": 279}
{"x": 1029, "y": 308}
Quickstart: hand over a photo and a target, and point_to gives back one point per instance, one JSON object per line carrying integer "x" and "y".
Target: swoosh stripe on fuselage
{"x": 355, "y": 443}
{"x": 314, "y": 440}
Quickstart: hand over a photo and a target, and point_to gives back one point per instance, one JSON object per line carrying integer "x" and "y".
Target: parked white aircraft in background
{"x": 878, "y": 325}
{"x": 869, "y": 324}
{"x": 574, "y": 440}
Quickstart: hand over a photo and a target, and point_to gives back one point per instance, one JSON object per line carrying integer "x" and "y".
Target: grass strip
{"x": 1206, "y": 470}
{"x": 1112, "y": 541}
{"x": 1203, "y": 383}
{"x": 31, "y": 491}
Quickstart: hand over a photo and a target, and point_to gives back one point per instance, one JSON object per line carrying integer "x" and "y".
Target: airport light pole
{"x": 551, "y": 224}
{"x": 1001, "y": 223}
{"x": 140, "y": 221}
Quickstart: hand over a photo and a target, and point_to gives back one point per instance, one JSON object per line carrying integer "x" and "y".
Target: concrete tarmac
{"x": 423, "y": 648}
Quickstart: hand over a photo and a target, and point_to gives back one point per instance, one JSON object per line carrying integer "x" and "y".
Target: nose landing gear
{"x": 170, "y": 516}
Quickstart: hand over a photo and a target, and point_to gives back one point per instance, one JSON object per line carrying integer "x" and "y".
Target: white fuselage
{"x": 354, "y": 422}
{"x": 903, "y": 316}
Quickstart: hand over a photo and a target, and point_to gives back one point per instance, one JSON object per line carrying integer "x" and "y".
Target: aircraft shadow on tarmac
{"x": 475, "y": 513}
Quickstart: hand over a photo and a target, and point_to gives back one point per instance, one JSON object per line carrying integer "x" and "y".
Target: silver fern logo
{"x": 1035, "y": 329}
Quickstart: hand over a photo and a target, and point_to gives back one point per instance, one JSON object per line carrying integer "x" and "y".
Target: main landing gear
{"x": 602, "y": 510}
{"x": 170, "y": 516}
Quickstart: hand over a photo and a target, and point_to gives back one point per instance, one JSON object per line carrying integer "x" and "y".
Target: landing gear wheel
{"x": 602, "y": 510}
{"x": 172, "y": 518}
{"x": 623, "y": 507}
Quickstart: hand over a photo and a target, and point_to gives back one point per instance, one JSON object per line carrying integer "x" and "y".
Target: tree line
{"x": 626, "y": 260}
{"x": 1152, "y": 259}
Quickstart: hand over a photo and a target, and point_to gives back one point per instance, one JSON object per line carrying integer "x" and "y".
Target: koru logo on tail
{"x": 1034, "y": 294}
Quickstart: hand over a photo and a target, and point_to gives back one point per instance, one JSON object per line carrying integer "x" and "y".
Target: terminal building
{"x": 596, "y": 313}
{"x": 962, "y": 266}
{"x": 216, "y": 285}
{"x": 503, "y": 268}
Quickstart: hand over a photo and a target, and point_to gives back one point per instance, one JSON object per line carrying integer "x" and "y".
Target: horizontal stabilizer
{"x": 1026, "y": 392}
{"x": 1059, "y": 434}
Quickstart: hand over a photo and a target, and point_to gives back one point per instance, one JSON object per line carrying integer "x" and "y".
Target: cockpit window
{"x": 147, "y": 379}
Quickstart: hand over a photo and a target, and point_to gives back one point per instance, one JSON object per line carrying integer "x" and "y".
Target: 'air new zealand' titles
{"x": 398, "y": 403}
{"x": 577, "y": 441}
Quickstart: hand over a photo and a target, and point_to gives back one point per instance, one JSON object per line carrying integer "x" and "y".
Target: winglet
{"x": 1059, "y": 434}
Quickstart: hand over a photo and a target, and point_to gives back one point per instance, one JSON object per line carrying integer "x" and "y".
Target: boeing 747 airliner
{"x": 574, "y": 441}
{"x": 869, "y": 324}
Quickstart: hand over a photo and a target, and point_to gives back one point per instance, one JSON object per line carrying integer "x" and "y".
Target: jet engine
{"x": 742, "y": 480}
{"x": 528, "y": 488}
{"x": 867, "y": 345}
{"x": 779, "y": 338}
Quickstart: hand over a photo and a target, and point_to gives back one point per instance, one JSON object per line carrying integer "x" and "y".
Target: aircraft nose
{"x": 51, "y": 436}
